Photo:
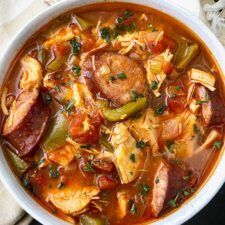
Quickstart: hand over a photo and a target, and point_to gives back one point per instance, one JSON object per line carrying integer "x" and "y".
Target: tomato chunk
{"x": 177, "y": 103}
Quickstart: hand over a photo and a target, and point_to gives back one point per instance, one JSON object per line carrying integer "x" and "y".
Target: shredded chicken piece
{"x": 154, "y": 68}
{"x": 202, "y": 77}
{"x": 213, "y": 136}
{"x": 63, "y": 35}
{"x": 32, "y": 74}
{"x": 3, "y": 102}
{"x": 123, "y": 203}
{"x": 127, "y": 158}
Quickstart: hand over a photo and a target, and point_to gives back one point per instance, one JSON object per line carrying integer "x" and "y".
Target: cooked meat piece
{"x": 127, "y": 157}
{"x": 26, "y": 122}
{"x": 212, "y": 111}
{"x": 73, "y": 199}
{"x": 160, "y": 184}
{"x": 116, "y": 76}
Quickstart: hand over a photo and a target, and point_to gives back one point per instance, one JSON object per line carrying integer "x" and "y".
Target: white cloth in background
{"x": 13, "y": 15}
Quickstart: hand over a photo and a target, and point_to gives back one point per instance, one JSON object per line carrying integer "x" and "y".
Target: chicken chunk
{"x": 63, "y": 155}
{"x": 127, "y": 157}
{"x": 113, "y": 72}
{"x": 72, "y": 200}
{"x": 123, "y": 203}
{"x": 32, "y": 74}
{"x": 145, "y": 129}
{"x": 26, "y": 122}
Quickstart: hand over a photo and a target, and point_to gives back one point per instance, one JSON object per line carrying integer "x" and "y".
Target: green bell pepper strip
{"x": 192, "y": 51}
{"x": 56, "y": 64}
{"x": 91, "y": 220}
{"x": 103, "y": 141}
{"x": 84, "y": 24}
{"x": 19, "y": 164}
{"x": 56, "y": 134}
{"x": 123, "y": 112}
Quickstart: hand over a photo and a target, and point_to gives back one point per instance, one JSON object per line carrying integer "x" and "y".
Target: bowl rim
{"x": 217, "y": 177}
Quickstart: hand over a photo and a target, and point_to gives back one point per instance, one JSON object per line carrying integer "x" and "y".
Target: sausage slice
{"x": 116, "y": 76}
{"x": 26, "y": 123}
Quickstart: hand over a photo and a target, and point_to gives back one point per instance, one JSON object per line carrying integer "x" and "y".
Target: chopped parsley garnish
{"x": 170, "y": 146}
{"x": 144, "y": 189}
{"x": 140, "y": 144}
{"x": 173, "y": 202}
{"x": 186, "y": 193}
{"x": 200, "y": 102}
{"x": 134, "y": 96}
{"x": 154, "y": 85}
{"x": 105, "y": 34}
{"x": 196, "y": 129}
{"x": 160, "y": 109}
{"x": 126, "y": 14}
{"x": 178, "y": 88}
{"x": 130, "y": 27}
{"x": 121, "y": 76}
{"x": 131, "y": 173}
{"x": 76, "y": 46}
{"x": 76, "y": 70}
{"x": 26, "y": 183}
{"x": 112, "y": 78}
{"x": 153, "y": 29}
{"x": 217, "y": 144}
{"x": 61, "y": 185}
{"x": 133, "y": 207}
{"x": 53, "y": 172}
{"x": 88, "y": 168}
{"x": 86, "y": 146}
{"x": 132, "y": 157}
{"x": 68, "y": 107}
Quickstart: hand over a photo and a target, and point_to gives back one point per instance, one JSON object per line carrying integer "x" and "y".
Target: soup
{"x": 112, "y": 116}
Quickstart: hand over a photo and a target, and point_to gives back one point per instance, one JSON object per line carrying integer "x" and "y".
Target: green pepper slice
{"x": 56, "y": 64}
{"x": 91, "y": 220}
{"x": 191, "y": 52}
{"x": 55, "y": 136}
{"x": 123, "y": 112}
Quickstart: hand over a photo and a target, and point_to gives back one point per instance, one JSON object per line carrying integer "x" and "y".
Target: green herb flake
{"x": 105, "y": 34}
{"x": 160, "y": 109}
{"x": 140, "y": 144}
{"x": 172, "y": 203}
{"x": 133, "y": 208}
{"x": 196, "y": 129}
{"x": 186, "y": 193}
{"x": 125, "y": 15}
{"x": 134, "y": 96}
{"x": 68, "y": 107}
{"x": 153, "y": 29}
{"x": 132, "y": 157}
{"x": 88, "y": 168}
{"x": 76, "y": 70}
{"x": 53, "y": 172}
{"x": 144, "y": 189}
{"x": 121, "y": 76}
{"x": 76, "y": 46}
{"x": 170, "y": 146}
{"x": 112, "y": 78}
{"x": 200, "y": 102}
{"x": 86, "y": 146}
{"x": 178, "y": 88}
{"x": 61, "y": 185}
{"x": 217, "y": 144}
{"x": 186, "y": 177}
{"x": 154, "y": 85}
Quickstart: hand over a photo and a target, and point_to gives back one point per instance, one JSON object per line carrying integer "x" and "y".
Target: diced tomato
{"x": 105, "y": 182}
{"x": 84, "y": 129}
{"x": 37, "y": 179}
{"x": 168, "y": 68}
{"x": 177, "y": 103}
{"x": 61, "y": 50}
{"x": 162, "y": 45}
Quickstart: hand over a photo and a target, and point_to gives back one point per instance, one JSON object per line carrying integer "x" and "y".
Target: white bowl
{"x": 217, "y": 176}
